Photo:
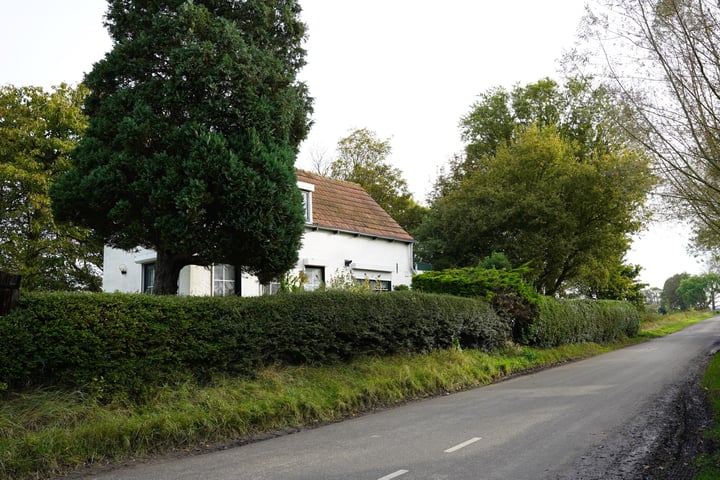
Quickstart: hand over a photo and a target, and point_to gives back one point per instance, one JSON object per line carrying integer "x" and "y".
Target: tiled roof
{"x": 345, "y": 206}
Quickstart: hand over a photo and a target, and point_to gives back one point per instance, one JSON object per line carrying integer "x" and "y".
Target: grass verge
{"x": 709, "y": 465}
{"x": 47, "y": 432}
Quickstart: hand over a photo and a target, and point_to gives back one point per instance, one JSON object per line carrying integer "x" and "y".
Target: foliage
{"x": 37, "y": 131}
{"x": 362, "y": 159}
{"x": 495, "y": 260}
{"x": 619, "y": 283}
{"x": 131, "y": 343}
{"x": 712, "y": 287}
{"x": 510, "y": 296}
{"x": 581, "y": 113}
{"x": 692, "y": 292}
{"x": 563, "y": 321}
{"x": 538, "y": 201}
{"x": 474, "y": 282}
{"x": 709, "y": 465}
{"x": 664, "y": 58}
{"x": 290, "y": 283}
{"x": 195, "y": 120}
{"x": 654, "y": 325}
{"x": 684, "y": 291}
{"x": 669, "y": 298}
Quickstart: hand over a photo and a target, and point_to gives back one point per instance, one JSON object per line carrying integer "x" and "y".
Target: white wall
{"x": 374, "y": 258}
{"x": 114, "y": 260}
{"x": 390, "y": 260}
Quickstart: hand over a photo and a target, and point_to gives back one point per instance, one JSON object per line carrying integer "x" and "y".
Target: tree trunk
{"x": 9, "y": 292}
{"x": 712, "y": 298}
{"x": 167, "y": 271}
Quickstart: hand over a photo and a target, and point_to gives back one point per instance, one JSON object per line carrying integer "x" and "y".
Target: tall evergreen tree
{"x": 196, "y": 115}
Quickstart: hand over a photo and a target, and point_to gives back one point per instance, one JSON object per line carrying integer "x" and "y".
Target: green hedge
{"x": 473, "y": 282}
{"x": 510, "y": 296}
{"x": 129, "y": 342}
{"x": 564, "y": 321}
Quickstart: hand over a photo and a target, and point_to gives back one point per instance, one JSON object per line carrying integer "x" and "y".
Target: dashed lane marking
{"x": 462, "y": 445}
{"x": 394, "y": 475}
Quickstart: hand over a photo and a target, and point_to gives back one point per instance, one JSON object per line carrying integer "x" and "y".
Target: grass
{"x": 709, "y": 465}
{"x": 47, "y": 432}
{"x": 659, "y": 325}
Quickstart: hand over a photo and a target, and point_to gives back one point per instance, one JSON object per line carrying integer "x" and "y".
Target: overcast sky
{"x": 406, "y": 69}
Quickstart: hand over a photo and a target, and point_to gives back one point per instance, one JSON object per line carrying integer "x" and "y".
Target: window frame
{"x": 228, "y": 280}
{"x": 308, "y": 286}
{"x": 148, "y": 277}
{"x": 307, "y": 190}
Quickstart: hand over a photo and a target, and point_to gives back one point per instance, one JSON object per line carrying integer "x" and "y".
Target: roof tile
{"x": 346, "y": 206}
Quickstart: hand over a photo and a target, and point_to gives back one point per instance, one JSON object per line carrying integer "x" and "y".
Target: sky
{"x": 405, "y": 69}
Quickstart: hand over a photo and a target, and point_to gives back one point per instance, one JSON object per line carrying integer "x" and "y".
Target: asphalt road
{"x": 568, "y": 422}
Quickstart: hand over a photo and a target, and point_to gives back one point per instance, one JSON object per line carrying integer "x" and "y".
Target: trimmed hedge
{"x": 507, "y": 292}
{"x": 131, "y": 342}
{"x": 473, "y": 282}
{"x": 563, "y": 321}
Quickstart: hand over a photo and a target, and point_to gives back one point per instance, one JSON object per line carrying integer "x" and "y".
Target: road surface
{"x": 589, "y": 419}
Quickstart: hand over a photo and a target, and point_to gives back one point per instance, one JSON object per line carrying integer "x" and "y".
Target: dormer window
{"x": 307, "y": 190}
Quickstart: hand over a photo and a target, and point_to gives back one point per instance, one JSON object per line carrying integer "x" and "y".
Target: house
{"x": 348, "y": 236}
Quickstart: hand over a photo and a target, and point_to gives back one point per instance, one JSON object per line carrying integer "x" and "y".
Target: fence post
{"x": 9, "y": 292}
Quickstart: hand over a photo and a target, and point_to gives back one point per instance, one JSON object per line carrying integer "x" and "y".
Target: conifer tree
{"x": 195, "y": 120}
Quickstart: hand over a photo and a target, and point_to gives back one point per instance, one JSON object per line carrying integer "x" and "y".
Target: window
{"x": 148, "y": 277}
{"x": 306, "y": 189}
{"x": 376, "y": 285}
{"x": 307, "y": 203}
{"x": 270, "y": 288}
{"x": 314, "y": 278}
{"x": 223, "y": 280}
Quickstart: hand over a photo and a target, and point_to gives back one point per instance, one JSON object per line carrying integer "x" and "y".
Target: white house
{"x": 347, "y": 234}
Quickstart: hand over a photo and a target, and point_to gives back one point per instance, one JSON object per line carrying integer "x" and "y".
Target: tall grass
{"x": 46, "y": 432}
{"x": 655, "y": 325}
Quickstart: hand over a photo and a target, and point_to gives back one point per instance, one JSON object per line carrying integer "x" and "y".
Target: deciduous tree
{"x": 195, "y": 119}
{"x": 670, "y": 299}
{"x": 362, "y": 159}
{"x": 618, "y": 283}
{"x": 712, "y": 287}
{"x": 537, "y": 202}
{"x": 580, "y": 112}
{"x": 664, "y": 59}
{"x": 692, "y": 292}
{"x": 37, "y": 131}
{"x": 547, "y": 179}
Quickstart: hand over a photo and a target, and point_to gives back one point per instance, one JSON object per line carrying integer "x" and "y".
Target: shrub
{"x": 563, "y": 321}
{"x": 510, "y": 296}
{"x": 111, "y": 342}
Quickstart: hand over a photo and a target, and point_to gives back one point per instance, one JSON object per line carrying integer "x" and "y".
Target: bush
{"x": 577, "y": 321}
{"x": 512, "y": 298}
{"x": 111, "y": 342}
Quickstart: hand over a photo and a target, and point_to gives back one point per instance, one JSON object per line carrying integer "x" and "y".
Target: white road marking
{"x": 462, "y": 445}
{"x": 394, "y": 475}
